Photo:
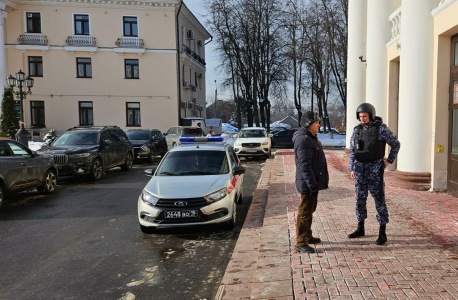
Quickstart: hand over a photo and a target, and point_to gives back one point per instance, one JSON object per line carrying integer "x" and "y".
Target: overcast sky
{"x": 199, "y": 11}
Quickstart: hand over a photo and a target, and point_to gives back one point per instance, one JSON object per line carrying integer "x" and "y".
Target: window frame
{"x": 130, "y": 64}
{"x": 88, "y": 24}
{"x": 136, "y": 111}
{"x": 124, "y": 22}
{"x": 85, "y": 65}
{"x": 40, "y": 123}
{"x": 26, "y": 19}
{"x": 85, "y": 110}
{"x": 29, "y": 63}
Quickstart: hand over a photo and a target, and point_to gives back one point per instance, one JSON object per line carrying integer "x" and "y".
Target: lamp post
{"x": 216, "y": 99}
{"x": 20, "y": 81}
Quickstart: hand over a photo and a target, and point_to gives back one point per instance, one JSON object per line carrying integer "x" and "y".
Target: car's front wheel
{"x": 174, "y": 145}
{"x": 50, "y": 182}
{"x": 2, "y": 195}
{"x": 147, "y": 230}
{"x": 129, "y": 162}
{"x": 96, "y": 169}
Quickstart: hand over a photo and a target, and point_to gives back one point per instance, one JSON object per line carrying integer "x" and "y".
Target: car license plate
{"x": 181, "y": 214}
{"x": 251, "y": 151}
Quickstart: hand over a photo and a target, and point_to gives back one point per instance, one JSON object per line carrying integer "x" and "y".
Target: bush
{"x": 9, "y": 119}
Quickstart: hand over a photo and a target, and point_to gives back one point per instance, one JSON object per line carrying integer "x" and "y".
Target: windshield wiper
{"x": 196, "y": 173}
{"x": 168, "y": 173}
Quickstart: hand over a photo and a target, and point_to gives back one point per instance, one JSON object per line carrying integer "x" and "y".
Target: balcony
{"x": 32, "y": 42}
{"x": 395, "y": 19}
{"x": 130, "y": 45}
{"x": 81, "y": 40}
{"x": 193, "y": 56}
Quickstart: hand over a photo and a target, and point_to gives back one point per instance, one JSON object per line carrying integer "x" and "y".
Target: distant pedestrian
{"x": 311, "y": 176}
{"x": 367, "y": 166}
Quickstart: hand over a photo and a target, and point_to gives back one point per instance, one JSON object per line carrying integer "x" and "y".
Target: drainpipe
{"x": 178, "y": 62}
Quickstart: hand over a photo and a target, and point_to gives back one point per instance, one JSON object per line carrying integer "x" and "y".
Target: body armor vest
{"x": 368, "y": 147}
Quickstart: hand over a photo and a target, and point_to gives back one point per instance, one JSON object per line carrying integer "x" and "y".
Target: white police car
{"x": 199, "y": 182}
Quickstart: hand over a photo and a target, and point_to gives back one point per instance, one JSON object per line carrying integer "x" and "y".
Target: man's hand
{"x": 386, "y": 164}
{"x": 352, "y": 174}
{"x": 313, "y": 189}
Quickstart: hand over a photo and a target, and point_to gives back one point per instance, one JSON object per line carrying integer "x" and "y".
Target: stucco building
{"x": 403, "y": 58}
{"x": 135, "y": 64}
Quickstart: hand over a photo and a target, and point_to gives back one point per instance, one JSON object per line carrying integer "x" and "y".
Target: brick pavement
{"x": 419, "y": 261}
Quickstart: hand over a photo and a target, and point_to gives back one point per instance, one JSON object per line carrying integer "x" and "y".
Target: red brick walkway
{"x": 419, "y": 261}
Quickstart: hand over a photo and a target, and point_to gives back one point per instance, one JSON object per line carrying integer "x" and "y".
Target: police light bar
{"x": 203, "y": 139}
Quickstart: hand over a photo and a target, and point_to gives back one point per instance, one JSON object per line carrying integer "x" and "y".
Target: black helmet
{"x": 366, "y": 107}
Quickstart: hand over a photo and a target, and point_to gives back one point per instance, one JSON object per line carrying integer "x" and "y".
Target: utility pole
{"x": 216, "y": 99}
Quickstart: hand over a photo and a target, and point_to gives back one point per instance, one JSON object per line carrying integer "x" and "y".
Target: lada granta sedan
{"x": 197, "y": 183}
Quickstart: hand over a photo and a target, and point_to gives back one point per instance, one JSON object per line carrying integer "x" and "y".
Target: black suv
{"x": 148, "y": 143}
{"x": 91, "y": 150}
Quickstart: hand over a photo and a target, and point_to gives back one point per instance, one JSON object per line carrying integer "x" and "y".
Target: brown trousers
{"x": 304, "y": 218}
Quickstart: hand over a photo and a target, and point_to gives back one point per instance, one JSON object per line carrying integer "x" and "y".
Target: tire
{"x": 240, "y": 198}
{"x": 50, "y": 183}
{"x": 174, "y": 145}
{"x": 129, "y": 162}
{"x": 96, "y": 169}
{"x": 2, "y": 196}
{"x": 231, "y": 223}
{"x": 147, "y": 230}
{"x": 269, "y": 155}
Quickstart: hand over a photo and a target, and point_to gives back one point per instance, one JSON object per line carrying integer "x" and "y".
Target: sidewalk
{"x": 419, "y": 261}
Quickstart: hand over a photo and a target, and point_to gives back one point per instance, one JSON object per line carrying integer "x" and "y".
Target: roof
{"x": 213, "y": 146}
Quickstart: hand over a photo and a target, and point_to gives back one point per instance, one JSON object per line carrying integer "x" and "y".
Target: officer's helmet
{"x": 366, "y": 107}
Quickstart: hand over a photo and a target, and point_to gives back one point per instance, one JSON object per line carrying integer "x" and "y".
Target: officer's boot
{"x": 381, "y": 235}
{"x": 358, "y": 232}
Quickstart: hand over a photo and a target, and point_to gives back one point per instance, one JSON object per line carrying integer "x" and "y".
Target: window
{"x": 131, "y": 69}
{"x": 37, "y": 109}
{"x": 130, "y": 26}
{"x": 86, "y": 113}
{"x": 81, "y": 23}
{"x": 19, "y": 150}
{"x": 133, "y": 114}
{"x": 35, "y": 66}
{"x": 33, "y": 22}
{"x": 83, "y": 67}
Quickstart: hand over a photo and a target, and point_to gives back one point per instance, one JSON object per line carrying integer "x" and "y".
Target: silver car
{"x": 22, "y": 169}
{"x": 174, "y": 134}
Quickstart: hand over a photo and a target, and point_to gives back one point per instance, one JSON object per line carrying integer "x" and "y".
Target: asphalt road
{"x": 84, "y": 242}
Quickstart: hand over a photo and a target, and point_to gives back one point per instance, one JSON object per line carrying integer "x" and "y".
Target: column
{"x": 378, "y": 34}
{"x": 3, "y": 75}
{"x": 415, "y": 95}
{"x": 355, "y": 68}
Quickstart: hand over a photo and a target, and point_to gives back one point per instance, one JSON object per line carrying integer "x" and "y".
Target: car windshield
{"x": 188, "y": 163}
{"x": 252, "y": 133}
{"x": 192, "y": 132}
{"x": 138, "y": 135}
{"x": 77, "y": 138}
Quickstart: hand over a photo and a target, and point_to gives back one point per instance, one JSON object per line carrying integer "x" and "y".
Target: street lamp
{"x": 216, "y": 99}
{"x": 20, "y": 81}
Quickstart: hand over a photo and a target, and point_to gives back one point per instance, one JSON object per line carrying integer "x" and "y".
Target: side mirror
{"x": 107, "y": 142}
{"x": 238, "y": 171}
{"x": 235, "y": 135}
{"x": 34, "y": 153}
{"x": 271, "y": 135}
{"x": 150, "y": 172}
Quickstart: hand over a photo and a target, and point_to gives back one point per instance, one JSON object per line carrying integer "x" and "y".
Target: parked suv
{"x": 91, "y": 150}
{"x": 148, "y": 143}
{"x": 253, "y": 142}
{"x": 174, "y": 134}
{"x": 23, "y": 169}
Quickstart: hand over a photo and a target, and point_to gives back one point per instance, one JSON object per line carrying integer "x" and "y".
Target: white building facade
{"x": 403, "y": 59}
{"x": 135, "y": 64}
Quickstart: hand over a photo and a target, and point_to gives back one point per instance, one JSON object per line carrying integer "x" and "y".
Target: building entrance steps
{"x": 419, "y": 260}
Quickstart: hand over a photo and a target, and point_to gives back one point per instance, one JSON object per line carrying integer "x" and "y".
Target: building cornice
{"x": 145, "y": 4}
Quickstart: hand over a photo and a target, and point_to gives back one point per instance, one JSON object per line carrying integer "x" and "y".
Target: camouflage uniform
{"x": 369, "y": 175}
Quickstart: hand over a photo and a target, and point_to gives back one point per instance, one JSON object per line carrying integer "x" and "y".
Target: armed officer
{"x": 367, "y": 165}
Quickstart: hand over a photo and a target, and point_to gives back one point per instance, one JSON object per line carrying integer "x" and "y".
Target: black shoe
{"x": 305, "y": 249}
{"x": 314, "y": 240}
{"x": 359, "y": 232}
{"x": 381, "y": 236}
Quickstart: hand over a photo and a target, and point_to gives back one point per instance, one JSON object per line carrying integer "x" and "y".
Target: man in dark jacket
{"x": 311, "y": 176}
{"x": 367, "y": 166}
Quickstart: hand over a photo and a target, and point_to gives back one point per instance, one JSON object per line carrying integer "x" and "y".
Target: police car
{"x": 199, "y": 182}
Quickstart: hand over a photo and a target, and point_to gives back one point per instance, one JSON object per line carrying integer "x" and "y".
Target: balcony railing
{"x": 193, "y": 55}
{"x": 81, "y": 40}
{"x": 395, "y": 19}
{"x": 32, "y": 39}
{"x": 130, "y": 42}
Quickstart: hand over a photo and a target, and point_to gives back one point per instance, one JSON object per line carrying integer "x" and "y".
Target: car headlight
{"x": 216, "y": 196}
{"x": 149, "y": 198}
{"x": 237, "y": 143}
{"x": 265, "y": 143}
{"x": 79, "y": 155}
